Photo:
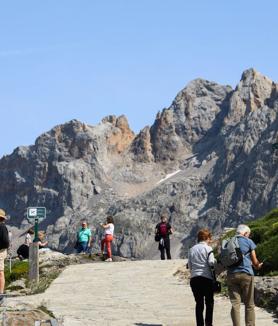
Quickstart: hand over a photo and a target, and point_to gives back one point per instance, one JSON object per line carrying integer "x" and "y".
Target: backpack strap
{"x": 211, "y": 268}
{"x": 210, "y": 253}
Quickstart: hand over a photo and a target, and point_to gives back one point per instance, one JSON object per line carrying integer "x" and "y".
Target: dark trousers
{"x": 163, "y": 247}
{"x": 82, "y": 247}
{"x": 23, "y": 251}
{"x": 202, "y": 290}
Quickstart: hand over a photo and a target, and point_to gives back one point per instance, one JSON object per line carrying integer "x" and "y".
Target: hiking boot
{"x": 109, "y": 259}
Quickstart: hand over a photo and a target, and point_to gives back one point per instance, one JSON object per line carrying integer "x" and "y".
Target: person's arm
{"x": 89, "y": 238}
{"x": 156, "y": 229}
{"x": 254, "y": 260}
{"x": 43, "y": 244}
{"x": 170, "y": 229}
{"x": 211, "y": 259}
{"x": 105, "y": 226}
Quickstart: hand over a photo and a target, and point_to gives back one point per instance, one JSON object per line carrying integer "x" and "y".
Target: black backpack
{"x": 4, "y": 237}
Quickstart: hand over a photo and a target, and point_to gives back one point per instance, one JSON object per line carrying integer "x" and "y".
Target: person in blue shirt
{"x": 84, "y": 236}
{"x": 240, "y": 279}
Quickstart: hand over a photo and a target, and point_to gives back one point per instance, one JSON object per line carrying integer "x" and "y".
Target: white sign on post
{"x": 32, "y": 212}
{"x": 36, "y": 212}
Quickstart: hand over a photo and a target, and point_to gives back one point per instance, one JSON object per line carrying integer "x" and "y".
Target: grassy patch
{"x": 19, "y": 270}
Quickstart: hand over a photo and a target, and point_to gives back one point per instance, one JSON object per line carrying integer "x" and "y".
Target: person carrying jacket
{"x": 164, "y": 229}
{"x": 200, "y": 258}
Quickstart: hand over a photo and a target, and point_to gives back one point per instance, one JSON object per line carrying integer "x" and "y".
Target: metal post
{"x": 35, "y": 213}
{"x": 34, "y": 257}
{"x": 36, "y": 238}
{"x": 34, "y": 263}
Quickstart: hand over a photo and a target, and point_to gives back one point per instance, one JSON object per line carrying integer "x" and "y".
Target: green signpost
{"x": 37, "y": 214}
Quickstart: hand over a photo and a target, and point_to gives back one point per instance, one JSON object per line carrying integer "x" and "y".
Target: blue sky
{"x": 66, "y": 59}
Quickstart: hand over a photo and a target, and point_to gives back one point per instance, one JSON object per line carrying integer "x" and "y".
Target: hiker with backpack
{"x": 238, "y": 256}
{"x": 4, "y": 245}
{"x": 200, "y": 261}
{"x": 162, "y": 234}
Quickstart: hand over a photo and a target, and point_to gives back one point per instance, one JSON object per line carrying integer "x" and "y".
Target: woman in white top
{"x": 200, "y": 259}
{"x": 108, "y": 236}
{"x": 28, "y": 237}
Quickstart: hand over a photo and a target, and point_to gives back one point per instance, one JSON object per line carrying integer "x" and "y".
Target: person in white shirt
{"x": 200, "y": 259}
{"x": 108, "y": 237}
{"x": 28, "y": 237}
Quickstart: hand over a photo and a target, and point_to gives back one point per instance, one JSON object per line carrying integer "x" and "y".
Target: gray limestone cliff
{"x": 207, "y": 161}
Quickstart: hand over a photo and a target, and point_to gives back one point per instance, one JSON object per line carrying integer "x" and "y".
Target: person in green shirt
{"x": 84, "y": 236}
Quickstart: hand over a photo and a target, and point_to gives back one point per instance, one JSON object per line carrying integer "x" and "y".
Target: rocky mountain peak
{"x": 119, "y": 136}
{"x": 255, "y": 88}
{"x": 189, "y": 118}
{"x": 252, "y": 93}
{"x": 207, "y": 160}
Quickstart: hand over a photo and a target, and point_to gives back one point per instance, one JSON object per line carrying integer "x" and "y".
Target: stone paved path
{"x": 142, "y": 293}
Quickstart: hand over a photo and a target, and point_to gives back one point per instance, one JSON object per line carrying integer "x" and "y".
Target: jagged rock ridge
{"x": 218, "y": 140}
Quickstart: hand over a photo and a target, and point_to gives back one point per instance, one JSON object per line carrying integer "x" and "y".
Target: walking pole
{"x": 10, "y": 263}
{"x": 10, "y": 251}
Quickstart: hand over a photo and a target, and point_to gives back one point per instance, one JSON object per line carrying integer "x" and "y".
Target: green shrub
{"x": 264, "y": 232}
{"x": 257, "y": 233}
{"x": 268, "y": 251}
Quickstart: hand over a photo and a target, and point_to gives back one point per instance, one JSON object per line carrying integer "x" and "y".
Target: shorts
{"x": 3, "y": 256}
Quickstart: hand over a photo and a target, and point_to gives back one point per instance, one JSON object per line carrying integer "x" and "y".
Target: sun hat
{"x": 3, "y": 214}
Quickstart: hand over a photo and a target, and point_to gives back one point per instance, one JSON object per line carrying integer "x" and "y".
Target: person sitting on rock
{"x": 84, "y": 236}
{"x": 43, "y": 243}
{"x": 163, "y": 230}
{"x": 108, "y": 237}
{"x": 23, "y": 250}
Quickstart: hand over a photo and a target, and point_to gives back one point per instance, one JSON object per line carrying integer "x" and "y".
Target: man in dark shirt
{"x": 4, "y": 245}
{"x": 164, "y": 229}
